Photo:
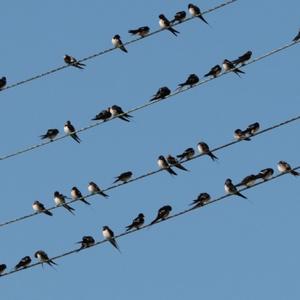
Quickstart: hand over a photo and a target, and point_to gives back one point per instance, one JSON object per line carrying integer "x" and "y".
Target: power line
{"x": 31, "y": 148}
{"x": 153, "y": 172}
{"x": 183, "y": 212}
{"x": 92, "y": 56}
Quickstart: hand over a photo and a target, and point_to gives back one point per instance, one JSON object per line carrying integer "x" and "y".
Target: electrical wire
{"x": 92, "y": 56}
{"x": 183, "y": 212}
{"x": 31, "y": 148}
{"x": 153, "y": 172}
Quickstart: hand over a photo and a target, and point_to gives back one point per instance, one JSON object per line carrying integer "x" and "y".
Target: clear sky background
{"x": 230, "y": 250}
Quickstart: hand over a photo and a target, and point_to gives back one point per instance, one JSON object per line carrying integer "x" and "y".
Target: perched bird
{"x": 214, "y": 71}
{"x": 76, "y": 194}
{"x": 72, "y": 61}
{"x": 104, "y": 115}
{"x": 59, "y": 200}
{"x": 162, "y": 93}
{"x": 109, "y": 235}
{"x": 50, "y": 134}
{"x": 241, "y": 135}
{"x": 137, "y": 223}
{"x": 2, "y": 268}
{"x": 124, "y": 177}
{"x": 191, "y": 81}
{"x": 163, "y": 164}
{"x": 231, "y": 189}
{"x": 229, "y": 66}
{"x": 93, "y": 188}
{"x": 165, "y": 23}
{"x": 203, "y": 148}
{"x": 70, "y": 130}
{"x": 23, "y": 263}
{"x": 43, "y": 258}
{"x": 284, "y": 167}
{"x": 86, "y": 242}
{"x": 116, "y": 111}
{"x": 201, "y": 200}
{"x": 243, "y": 58}
{"x": 265, "y": 174}
{"x": 162, "y": 213}
{"x": 116, "y": 41}
{"x": 141, "y": 31}
{"x": 186, "y": 154}
{"x": 174, "y": 162}
{"x": 248, "y": 181}
{"x": 297, "y": 37}
{"x": 252, "y": 128}
{"x": 39, "y": 208}
{"x": 179, "y": 17}
{"x": 2, "y": 82}
{"x": 196, "y": 12}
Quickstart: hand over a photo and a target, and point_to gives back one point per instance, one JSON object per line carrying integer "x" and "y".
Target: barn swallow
{"x": 179, "y": 17}
{"x": 124, "y": 177}
{"x": 284, "y": 167}
{"x": 248, "y": 181}
{"x": 163, "y": 164}
{"x": 50, "y": 134}
{"x": 241, "y": 135}
{"x": 203, "y": 148}
{"x": 137, "y": 223}
{"x": 141, "y": 31}
{"x": 231, "y": 189}
{"x": 72, "y": 61}
{"x": 201, "y": 200}
{"x": 116, "y": 111}
{"x": 116, "y": 41}
{"x": 104, "y": 115}
{"x": 39, "y": 207}
{"x": 196, "y": 12}
{"x": 165, "y": 23}
{"x": 174, "y": 162}
{"x": 2, "y": 268}
{"x": 243, "y": 58}
{"x": 70, "y": 130}
{"x": 59, "y": 200}
{"x": 297, "y": 37}
{"x": 44, "y": 258}
{"x": 191, "y": 81}
{"x": 162, "y": 213}
{"x": 93, "y": 188}
{"x": 76, "y": 194}
{"x": 265, "y": 174}
{"x": 86, "y": 242}
{"x": 214, "y": 71}
{"x": 229, "y": 66}
{"x": 162, "y": 93}
{"x": 23, "y": 263}
{"x": 109, "y": 235}
{"x": 2, "y": 82}
{"x": 186, "y": 154}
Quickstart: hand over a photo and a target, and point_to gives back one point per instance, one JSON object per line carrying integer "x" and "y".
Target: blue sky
{"x": 230, "y": 250}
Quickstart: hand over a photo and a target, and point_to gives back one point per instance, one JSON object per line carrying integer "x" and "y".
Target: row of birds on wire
{"x": 164, "y": 163}
{"x": 162, "y": 213}
{"x": 116, "y": 111}
{"x": 142, "y": 31}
